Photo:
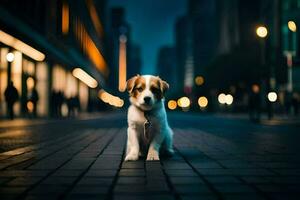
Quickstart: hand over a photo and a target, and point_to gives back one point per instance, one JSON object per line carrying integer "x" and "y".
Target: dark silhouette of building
{"x": 166, "y": 66}
{"x": 134, "y": 60}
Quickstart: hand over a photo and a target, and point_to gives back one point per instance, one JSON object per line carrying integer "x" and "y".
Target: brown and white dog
{"x": 148, "y": 128}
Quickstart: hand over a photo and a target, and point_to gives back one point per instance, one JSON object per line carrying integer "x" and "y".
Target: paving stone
{"x": 283, "y": 179}
{"x": 88, "y": 189}
{"x": 222, "y": 179}
{"x": 103, "y": 165}
{"x": 157, "y": 187}
{"x": 233, "y": 188}
{"x": 236, "y": 164}
{"x": 101, "y": 173}
{"x": 67, "y": 173}
{"x": 215, "y": 171}
{"x": 181, "y": 172}
{"x": 131, "y": 180}
{"x": 242, "y": 197}
{"x": 96, "y": 181}
{"x": 288, "y": 172}
{"x": 12, "y": 190}
{"x": 133, "y": 165}
{"x": 3, "y": 180}
{"x": 18, "y": 173}
{"x": 199, "y": 197}
{"x": 255, "y": 179}
{"x": 76, "y": 196}
{"x": 46, "y": 189}
{"x": 54, "y": 180}
{"x": 130, "y": 189}
{"x": 186, "y": 180}
{"x": 176, "y": 165}
{"x": 280, "y": 196}
{"x": 9, "y": 196}
{"x": 42, "y": 196}
{"x": 143, "y": 197}
{"x": 24, "y": 181}
{"x": 271, "y": 188}
{"x": 205, "y": 165}
{"x": 132, "y": 172}
{"x": 192, "y": 189}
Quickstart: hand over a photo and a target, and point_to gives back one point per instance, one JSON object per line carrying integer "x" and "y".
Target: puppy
{"x": 148, "y": 128}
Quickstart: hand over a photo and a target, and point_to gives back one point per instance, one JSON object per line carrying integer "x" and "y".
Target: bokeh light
{"x": 10, "y": 57}
{"x": 202, "y": 102}
{"x": 222, "y": 98}
{"x": 30, "y": 83}
{"x": 262, "y": 31}
{"x": 30, "y": 106}
{"x": 272, "y": 96}
{"x": 110, "y": 99}
{"x": 199, "y": 80}
{"x": 228, "y": 99}
{"x": 85, "y": 77}
{"x": 184, "y": 102}
{"x": 292, "y": 26}
{"x": 172, "y": 104}
{"x": 255, "y": 88}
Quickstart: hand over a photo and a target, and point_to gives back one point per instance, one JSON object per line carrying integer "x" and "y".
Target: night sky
{"x": 152, "y": 23}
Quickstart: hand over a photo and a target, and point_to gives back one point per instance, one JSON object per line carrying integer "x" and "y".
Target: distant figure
{"x": 254, "y": 104}
{"x": 11, "y": 96}
{"x": 288, "y": 102}
{"x": 34, "y": 98}
{"x": 295, "y": 104}
{"x": 59, "y": 100}
{"x": 73, "y": 105}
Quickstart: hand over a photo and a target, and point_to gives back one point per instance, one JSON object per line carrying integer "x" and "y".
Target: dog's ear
{"x": 131, "y": 82}
{"x": 164, "y": 86}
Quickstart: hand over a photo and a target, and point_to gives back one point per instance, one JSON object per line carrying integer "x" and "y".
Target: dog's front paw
{"x": 131, "y": 157}
{"x": 152, "y": 155}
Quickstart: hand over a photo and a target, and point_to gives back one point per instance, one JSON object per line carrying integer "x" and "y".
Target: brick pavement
{"x": 89, "y": 165}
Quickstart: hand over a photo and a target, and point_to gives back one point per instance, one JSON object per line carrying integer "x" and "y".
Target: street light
{"x": 228, "y": 99}
{"x": 172, "y": 104}
{"x": 272, "y": 96}
{"x": 221, "y": 98}
{"x": 202, "y": 102}
{"x": 292, "y": 26}
{"x": 10, "y": 57}
{"x": 184, "y": 102}
{"x": 262, "y": 31}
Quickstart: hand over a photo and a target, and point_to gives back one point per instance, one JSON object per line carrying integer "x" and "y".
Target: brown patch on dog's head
{"x": 158, "y": 87}
{"x": 136, "y": 85}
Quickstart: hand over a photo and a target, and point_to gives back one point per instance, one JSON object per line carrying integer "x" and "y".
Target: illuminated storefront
{"x": 28, "y": 74}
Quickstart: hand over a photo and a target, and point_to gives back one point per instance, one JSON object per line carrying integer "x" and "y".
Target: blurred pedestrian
{"x": 34, "y": 98}
{"x": 71, "y": 106}
{"x": 288, "y": 102}
{"x": 254, "y": 103}
{"x": 60, "y": 98}
{"x": 11, "y": 96}
{"x": 295, "y": 103}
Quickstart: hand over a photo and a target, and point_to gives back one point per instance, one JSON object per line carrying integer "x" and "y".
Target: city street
{"x": 217, "y": 157}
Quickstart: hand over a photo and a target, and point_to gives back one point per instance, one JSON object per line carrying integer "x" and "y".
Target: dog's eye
{"x": 139, "y": 89}
{"x": 155, "y": 90}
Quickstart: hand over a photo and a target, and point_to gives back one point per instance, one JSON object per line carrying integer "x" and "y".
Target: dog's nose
{"x": 147, "y": 100}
